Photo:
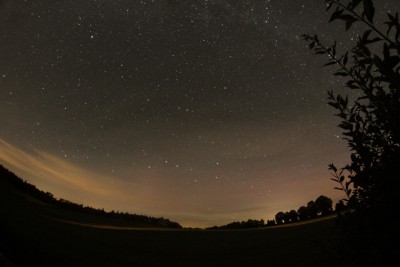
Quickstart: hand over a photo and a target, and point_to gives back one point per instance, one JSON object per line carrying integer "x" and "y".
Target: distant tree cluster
{"x": 241, "y": 225}
{"x": 48, "y": 198}
{"x": 322, "y": 206}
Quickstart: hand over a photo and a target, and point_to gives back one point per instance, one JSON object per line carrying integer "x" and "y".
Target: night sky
{"x": 204, "y": 112}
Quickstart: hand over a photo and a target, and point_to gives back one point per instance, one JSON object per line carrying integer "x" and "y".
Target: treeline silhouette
{"x": 48, "y": 198}
{"x": 240, "y": 225}
{"x": 321, "y": 207}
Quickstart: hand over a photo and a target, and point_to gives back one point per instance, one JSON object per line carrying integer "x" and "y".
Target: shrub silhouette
{"x": 371, "y": 126}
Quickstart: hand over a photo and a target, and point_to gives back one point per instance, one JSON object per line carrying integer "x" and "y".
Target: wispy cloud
{"x": 74, "y": 183}
{"x": 58, "y": 176}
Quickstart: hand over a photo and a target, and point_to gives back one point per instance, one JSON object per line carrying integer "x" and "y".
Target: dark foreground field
{"x": 36, "y": 234}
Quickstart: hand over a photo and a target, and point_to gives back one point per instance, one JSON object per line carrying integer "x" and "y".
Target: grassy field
{"x": 36, "y": 234}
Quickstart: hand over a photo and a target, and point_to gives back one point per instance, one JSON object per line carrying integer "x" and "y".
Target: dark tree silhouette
{"x": 303, "y": 213}
{"x": 371, "y": 127}
{"x": 293, "y": 217}
{"x": 240, "y": 225}
{"x": 271, "y": 223}
{"x": 286, "y": 217}
{"x": 323, "y": 205}
{"x": 312, "y": 210}
{"x": 340, "y": 207}
{"x": 280, "y": 217}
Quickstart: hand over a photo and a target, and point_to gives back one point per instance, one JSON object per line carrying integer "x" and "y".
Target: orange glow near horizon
{"x": 68, "y": 181}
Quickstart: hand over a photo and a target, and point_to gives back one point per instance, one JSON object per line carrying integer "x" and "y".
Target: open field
{"x": 36, "y": 234}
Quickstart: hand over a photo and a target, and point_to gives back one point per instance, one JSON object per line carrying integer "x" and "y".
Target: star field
{"x": 200, "y": 111}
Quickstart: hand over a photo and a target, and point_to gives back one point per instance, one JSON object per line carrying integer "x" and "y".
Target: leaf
{"x": 334, "y": 104}
{"x": 336, "y": 14}
{"x": 366, "y": 35}
{"x": 393, "y": 21}
{"x": 334, "y": 49}
{"x": 355, "y": 3}
{"x": 376, "y": 39}
{"x": 386, "y": 51}
{"x": 350, "y": 22}
{"x": 349, "y": 19}
{"x": 378, "y": 62}
{"x": 352, "y": 84}
{"x": 332, "y": 167}
{"x": 345, "y": 58}
{"x": 369, "y": 10}
{"x": 347, "y": 184}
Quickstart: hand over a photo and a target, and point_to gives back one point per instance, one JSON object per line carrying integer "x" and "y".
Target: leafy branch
{"x": 370, "y": 125}
{"x": 339, "y": 177}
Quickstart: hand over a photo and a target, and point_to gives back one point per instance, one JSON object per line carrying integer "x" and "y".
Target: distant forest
{"x": 48, "y": 198}
{"x": 321, "y": 207}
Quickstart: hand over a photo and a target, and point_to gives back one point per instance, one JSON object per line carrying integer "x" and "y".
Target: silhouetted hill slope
{"x": 36, "y": 233}
{"x": 32, "y": 194}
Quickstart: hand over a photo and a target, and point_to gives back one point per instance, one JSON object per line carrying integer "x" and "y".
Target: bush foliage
{"x": 370, "y": 124}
